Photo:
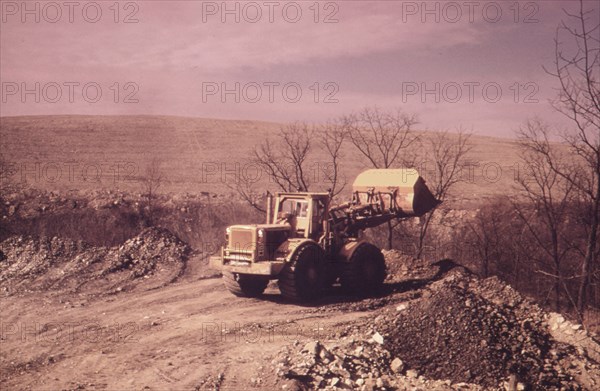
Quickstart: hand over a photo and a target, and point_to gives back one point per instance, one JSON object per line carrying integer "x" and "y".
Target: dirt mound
{"x": 354, "y": 363}
{"x": 151, "y": 259}
{"x": 457, "y": 334}
{"x": 455, "y": 331}
{"x": 401, "y": 266}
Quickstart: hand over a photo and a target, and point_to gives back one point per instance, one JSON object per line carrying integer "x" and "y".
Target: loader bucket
{"x": 412, "y": 195}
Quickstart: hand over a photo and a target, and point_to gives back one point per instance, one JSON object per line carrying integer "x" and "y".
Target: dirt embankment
{"x": 152, "y": 259}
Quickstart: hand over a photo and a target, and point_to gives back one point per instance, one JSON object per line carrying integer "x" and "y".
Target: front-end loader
{"x": 308, "y": 244}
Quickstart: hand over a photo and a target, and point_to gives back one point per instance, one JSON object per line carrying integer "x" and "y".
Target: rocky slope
{"x": 35, "y": 264}
{"x": 453, "y": 331}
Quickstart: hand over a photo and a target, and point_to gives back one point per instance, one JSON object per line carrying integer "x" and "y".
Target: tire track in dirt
{"x": 173, "y": 337}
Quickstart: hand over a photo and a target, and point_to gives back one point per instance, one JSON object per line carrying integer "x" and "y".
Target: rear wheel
{"x": 364, "y": 272}
{"x": 245, "y": 285}
{"x": 303, "y": 278}
{"x": 331, "y": 276}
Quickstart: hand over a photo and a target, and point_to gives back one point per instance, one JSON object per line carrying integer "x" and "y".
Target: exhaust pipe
{"x": 269, "y": 206}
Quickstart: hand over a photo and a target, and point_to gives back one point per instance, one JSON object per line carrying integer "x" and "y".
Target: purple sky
{"x": 178, "y": 56}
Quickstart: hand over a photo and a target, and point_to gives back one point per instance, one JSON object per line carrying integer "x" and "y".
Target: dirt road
{"x": 186, "y": 335}
{"x": 192, "y": 334}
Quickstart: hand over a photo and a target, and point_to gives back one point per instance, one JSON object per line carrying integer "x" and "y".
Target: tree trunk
{"x": 589, "y": 255}
{"x": 390, "y": 237}
{"x": 557, "y": 289}
{"x": 486, "y": 262}
{"x": 423, "y": 232}
{"x": 556, "y": 260}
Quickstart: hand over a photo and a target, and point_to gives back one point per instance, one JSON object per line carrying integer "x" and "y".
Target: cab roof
{"x": 301, "y": 194}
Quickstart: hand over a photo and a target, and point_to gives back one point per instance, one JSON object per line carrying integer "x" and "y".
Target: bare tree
{"x": 290, "y": 164}
{"x": 384, "y": 139}
{"x": 486, "y": 233}
{"x": 151, "y": 182}
{"x": 331, "y": 138}
{"x": 448, "y": 153}
{"x": 548, "y": 197}
{"x": 577, "y": 69}
{"x": 285, "y": 161}
{"x": 246, "y": 189}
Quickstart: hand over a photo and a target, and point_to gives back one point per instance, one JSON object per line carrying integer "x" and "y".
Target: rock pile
{"x": 151, "y": 259}
{"x": 455, "y": 331}
{"x": 142, "y": 255}
{"x": 355, "y": 364}
{"x": 457, "y": 334}
{"x": 401, "y": 266}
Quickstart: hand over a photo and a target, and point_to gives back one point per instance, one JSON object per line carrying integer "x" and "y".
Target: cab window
{"x": 318, "y": 208}
{"x": 298, "y": 208}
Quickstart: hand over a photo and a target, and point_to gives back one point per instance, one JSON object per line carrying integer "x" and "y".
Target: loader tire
{"x": 303, "y": 279}
{"x": 365, "y": 271}
{"x": 245, "y": 285}
{"x": 332, "y": 276}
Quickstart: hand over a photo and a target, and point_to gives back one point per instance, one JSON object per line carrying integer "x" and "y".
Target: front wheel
{"x": 363, "y": 274}
{"x": 303, "y": 279}
{"x": 245, "y": 285}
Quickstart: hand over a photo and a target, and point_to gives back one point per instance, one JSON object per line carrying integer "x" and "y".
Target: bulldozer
{"x": 307, "y": 244}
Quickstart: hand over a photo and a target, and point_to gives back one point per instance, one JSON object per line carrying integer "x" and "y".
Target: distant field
{"x": 196, "y": 154}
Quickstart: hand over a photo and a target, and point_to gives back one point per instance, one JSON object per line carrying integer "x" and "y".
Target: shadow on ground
{"x": 334, "y": 294}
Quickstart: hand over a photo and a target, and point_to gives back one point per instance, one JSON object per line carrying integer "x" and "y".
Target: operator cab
{"x": 305, "y": 212}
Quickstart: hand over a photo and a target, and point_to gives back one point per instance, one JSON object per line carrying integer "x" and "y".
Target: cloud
{"x": 157, "y": 43}
{"x": 372, "y": 49}
{"x": 235, "y": 46}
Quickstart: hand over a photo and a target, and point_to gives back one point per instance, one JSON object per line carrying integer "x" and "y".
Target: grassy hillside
{"x": 112, "y": 152}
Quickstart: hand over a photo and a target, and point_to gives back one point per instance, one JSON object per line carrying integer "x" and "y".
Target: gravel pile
{"x": 352, "y": 363}
{"x": 143, "y": 255}
{"x": 457, "y": 334}
{"x": 401, "y": 266}
{"x": 28, "y": 264}
{"x": 453, "y": 332}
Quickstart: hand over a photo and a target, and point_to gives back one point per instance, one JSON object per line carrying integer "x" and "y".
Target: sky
{"x": 475, "y": 65}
